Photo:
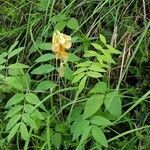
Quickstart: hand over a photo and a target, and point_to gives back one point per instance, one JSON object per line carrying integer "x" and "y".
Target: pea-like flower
{"x": 60, "y": 42}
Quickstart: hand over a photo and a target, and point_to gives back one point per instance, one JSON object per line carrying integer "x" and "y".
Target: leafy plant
{"x": 96, "y": 97}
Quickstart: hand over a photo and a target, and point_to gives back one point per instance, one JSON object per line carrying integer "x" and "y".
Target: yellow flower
{"x": 60, "y": 42}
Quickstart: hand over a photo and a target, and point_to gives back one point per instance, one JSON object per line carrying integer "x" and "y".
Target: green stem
{"x": 135, "y": 51}
{"x": 127, "y": 132}
{"x": 46, "y": 98}
{"x": 134, "y": 105}
{"x": 74, "y": 101}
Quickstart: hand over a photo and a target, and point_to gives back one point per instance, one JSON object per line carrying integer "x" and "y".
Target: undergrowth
{"x": 74, "y": 74}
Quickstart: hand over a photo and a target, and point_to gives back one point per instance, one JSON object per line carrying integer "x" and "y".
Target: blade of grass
{"x": 133, "y": 55}
{"x": 134, "y": 105}
{"x": 127, "y": 132}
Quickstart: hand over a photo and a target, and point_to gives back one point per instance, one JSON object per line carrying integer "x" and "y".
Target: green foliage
{"x": 97, "y": 68}
{"x": 43, "y": 69}
{"x": 13, "y": 131}
{"x": 44, "y": 58}
{"x": 72, "y": 23}
{"x": 26, "y": 111}
{"x": 56, "y": 140}
{"x": 113, "y": 103}
{"x": 93, "y": 103}
{"x": 100, "y": 121}
{"x": 78, "y": 126}
{"x": 99, "y": 136}
{"x": 17, "y": 98}
{"x": 45, "y": 85}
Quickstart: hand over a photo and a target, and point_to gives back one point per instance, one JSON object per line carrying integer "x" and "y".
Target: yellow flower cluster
{"x": 60, "y": 42}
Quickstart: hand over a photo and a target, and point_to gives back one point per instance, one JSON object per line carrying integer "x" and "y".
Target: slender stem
{"x": 135, "y": 51}
{"x": 74, "y": 101}
{"x": 134, "y": 105}
{"x": 127, "y": 132}
{"x": 46, "y": 98}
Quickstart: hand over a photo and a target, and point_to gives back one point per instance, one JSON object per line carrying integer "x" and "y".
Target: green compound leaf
{"x": 13, "y": 121}
{"x": 29, "y": 121}
{"x": 45, "y": 85}
{"x": 99, "y": 136}
{"x": 78, "y": 77}
{"x": 93, "y": 104}
{"x": 24, "y": 132}
{"x": 13, "y": 132}
{"x": 72, "y": 23}
{"x": 56, "y": 140}
{"x": 43, "y": 69}
{"x": 14, "y": 110}
{"x": 79, "y": 125}
{"x": 113, "y": 103}
{"x": 100, "y": 121}
{"x": 45, "y": 57}
{"x": 94, "y": 74}
{"x": 17, "y": 98}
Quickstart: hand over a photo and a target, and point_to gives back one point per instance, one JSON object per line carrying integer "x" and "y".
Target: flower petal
{"x": 56, "y": 47}
{"x": 67, "y": 45}
{"x": 64, "y": 55}
{"x": 60, "y": 42}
